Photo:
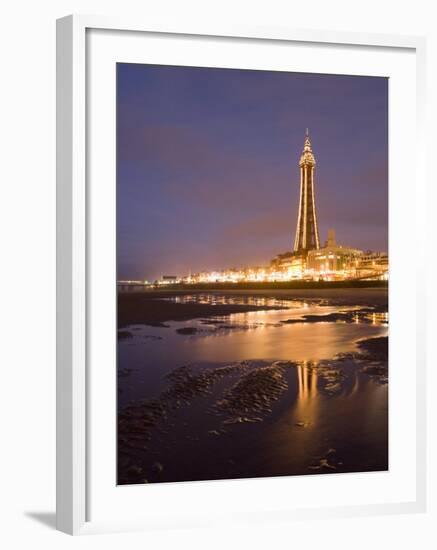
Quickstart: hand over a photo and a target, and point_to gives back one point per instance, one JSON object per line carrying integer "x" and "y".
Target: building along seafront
{"x": 309, "y": 260}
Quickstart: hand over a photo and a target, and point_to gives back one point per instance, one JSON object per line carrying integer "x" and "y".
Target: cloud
{"x": 264, "y": 226}
{"x": 193, "y": 168}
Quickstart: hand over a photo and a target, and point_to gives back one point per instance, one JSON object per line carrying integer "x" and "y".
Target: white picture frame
{"x": 73, "y": 342}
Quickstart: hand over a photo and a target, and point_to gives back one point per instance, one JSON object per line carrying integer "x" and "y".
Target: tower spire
{"x": 307, "y": 233}
{"x": 307, "y": 143}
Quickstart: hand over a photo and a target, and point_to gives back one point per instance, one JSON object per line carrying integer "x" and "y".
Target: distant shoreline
{"x": 286, "y": 285}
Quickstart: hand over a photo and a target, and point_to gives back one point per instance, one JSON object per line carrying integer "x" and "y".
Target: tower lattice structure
{"x": 307, "y": 233}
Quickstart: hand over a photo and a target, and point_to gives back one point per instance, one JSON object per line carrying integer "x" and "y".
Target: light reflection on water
{"x": 219, "y": 299}
{"x": 295, "y": 342}
{"x": 261, "y": 335}
{"x": 307, "y": 423}
{"x": 352, "y": 424}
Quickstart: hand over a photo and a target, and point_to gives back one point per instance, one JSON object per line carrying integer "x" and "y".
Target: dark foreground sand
{"x": 244, "y": 420}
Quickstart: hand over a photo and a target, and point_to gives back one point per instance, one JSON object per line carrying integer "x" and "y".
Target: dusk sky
{"x": 208, "y": 165}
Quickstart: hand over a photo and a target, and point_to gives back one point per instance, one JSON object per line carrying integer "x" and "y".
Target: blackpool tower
{"x": 307, "y": 233}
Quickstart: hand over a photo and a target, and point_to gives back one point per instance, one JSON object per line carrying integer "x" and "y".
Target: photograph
{"x": 252, "y": 251}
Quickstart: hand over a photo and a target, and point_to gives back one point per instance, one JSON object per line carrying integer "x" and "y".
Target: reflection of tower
{"x": 307, "y": 403}
{"x": 307, "y": 233}
{"x": 307, "y": 381}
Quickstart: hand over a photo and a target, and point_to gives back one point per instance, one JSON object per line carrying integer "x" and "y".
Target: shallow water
{"x": 304, "y": 425}
{"x": 155, "y": 351}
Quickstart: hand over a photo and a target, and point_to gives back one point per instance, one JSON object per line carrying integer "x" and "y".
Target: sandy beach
{"x": 222, "y": 385}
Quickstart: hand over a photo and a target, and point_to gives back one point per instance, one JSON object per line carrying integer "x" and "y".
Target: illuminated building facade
{"x": 332, "y": 261}
{"x": 372, "y": 265}
{"x": 290, "y": 265}
{"x": 307, "y": 233}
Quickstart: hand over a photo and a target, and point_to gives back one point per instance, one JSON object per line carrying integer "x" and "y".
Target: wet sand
{"x": 252, "y": 419}
{"x": 185, "y": 414}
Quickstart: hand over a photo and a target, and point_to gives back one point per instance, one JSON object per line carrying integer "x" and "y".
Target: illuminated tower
{"x": 307, "y": 233}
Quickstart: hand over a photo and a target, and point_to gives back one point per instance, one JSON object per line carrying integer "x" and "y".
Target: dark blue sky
{"x": 207, "y": 164}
